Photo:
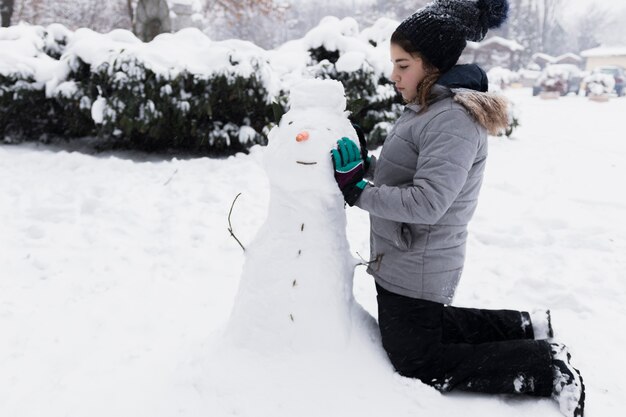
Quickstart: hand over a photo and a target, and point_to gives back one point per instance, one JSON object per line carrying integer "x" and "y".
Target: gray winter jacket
{"x": 425, "y": 190}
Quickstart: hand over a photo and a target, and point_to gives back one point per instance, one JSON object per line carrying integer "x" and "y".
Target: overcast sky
{"x": 613, "y": 4}
{"x": 574, "y": 7}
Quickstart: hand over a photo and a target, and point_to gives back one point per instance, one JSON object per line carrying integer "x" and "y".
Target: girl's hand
{"x": 349, "y": 170}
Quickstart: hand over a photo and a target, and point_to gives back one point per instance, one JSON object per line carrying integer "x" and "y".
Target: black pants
{"x": 490, "y": 351}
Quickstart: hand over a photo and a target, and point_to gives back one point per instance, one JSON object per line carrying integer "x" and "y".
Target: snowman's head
{"x": 298, "y": 154}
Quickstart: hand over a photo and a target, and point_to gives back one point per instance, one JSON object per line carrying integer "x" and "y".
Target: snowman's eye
{"x": 328, "y": 128}
{"x": 291, "y": 122}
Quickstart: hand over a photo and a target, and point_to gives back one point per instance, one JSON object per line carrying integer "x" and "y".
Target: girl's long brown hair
{"x": 424, "y": 89}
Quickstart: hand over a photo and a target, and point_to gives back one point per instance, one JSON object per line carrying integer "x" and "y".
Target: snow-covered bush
{"x": 180, "y": 91}
{"x": 375, "y": 105}
{"x": 336, "y": 50}
{"x": 24, "y": 69}
{"x": 372, "y": 100}
{"x": 553, "y": 79}
{"x": 212, "y": 113}
{"x": 23, "y": 107}
{"x": 56, "y": 38}
{"x": 599, "y": 84}
{"x": 497, "y": 77}
{"x": 502, "y": 77}
{"x": 514, "y": 116}
{"x": 184, "y": 91}
{"x": 561, "y": 78}
{"x": 528, "y": 76}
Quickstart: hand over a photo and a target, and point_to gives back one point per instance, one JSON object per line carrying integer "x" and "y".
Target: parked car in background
{"x": 561, "y": 78}
{"x": 618, "y": 74}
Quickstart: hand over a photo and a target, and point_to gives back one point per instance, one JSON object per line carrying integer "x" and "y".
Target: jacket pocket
{"x": 420, "y": 235}
{"x": 406, "y": 236}
{"x": 396, "y": 234}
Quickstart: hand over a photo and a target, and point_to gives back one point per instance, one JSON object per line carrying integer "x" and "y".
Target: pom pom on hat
{"x": 492, "y": 14}
{"x": 496, "y": 11}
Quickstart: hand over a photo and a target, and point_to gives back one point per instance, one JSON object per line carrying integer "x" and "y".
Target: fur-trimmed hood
{"x": 468, "y": 84}
{"x": 489, "y": 109}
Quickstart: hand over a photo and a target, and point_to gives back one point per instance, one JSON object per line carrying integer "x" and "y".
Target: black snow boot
{"x": 569, "y": 389}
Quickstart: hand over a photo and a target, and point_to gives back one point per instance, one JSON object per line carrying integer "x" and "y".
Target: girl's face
{"x": 408, "y": 72}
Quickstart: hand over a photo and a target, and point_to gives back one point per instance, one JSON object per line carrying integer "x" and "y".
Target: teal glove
{"x": 348, "y": 151}
{"x": 349, "y": 170}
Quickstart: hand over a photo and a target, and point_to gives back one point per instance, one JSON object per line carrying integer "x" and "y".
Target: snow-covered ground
{"x": 117, "y": 276}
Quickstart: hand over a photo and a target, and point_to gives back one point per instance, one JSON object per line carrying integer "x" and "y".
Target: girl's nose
{"x": 302, "y": 136}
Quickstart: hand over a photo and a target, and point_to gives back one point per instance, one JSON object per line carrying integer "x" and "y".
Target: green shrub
{"x": 372, "y": 100}
{"x": 24, "y": 109}
{"x": 211, "y": 112}
{"x": 221, "y": 113}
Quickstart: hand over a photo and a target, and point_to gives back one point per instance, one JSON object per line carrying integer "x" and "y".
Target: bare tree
{"x": 31, "y": 11}
{"x": 238, "y": 9}
{"x": 549, "y": 22}
{"x": 259, "y": 21}
{"x": 130, "y": 7}
{"x": 95, "y": 14}
{"x": 614, "y": 31}
{"x": 587, "y": 26}
{"x": 6, "y": 11}
{"x": 291, "y": 19}
{"x": 510, "y": 27}
{"x": 522, "y": 26}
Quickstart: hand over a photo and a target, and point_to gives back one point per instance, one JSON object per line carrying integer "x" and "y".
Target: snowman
{"x": 295, "y": 291}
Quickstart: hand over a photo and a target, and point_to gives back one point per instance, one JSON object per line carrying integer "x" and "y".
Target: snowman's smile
{"x": 306, "y": 163}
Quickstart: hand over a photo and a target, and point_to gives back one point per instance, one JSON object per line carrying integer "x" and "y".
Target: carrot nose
{"x": 302, "y": 136}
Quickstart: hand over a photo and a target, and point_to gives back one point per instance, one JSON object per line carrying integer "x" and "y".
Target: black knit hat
{"x": 440, "y": 30}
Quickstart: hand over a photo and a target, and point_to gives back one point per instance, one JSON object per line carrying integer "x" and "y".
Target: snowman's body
{"x": 296, "y": 286}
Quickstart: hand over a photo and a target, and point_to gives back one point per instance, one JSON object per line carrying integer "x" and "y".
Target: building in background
{"x": 605, "y": 56}
{"x": 493, "y": 52}
{"x": 544, "y": 60}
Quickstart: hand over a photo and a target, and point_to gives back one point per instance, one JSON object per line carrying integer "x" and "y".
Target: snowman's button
{"x": 302, "y": 136}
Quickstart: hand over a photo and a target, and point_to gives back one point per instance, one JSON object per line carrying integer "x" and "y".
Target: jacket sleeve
{"x": 447, "y": 150}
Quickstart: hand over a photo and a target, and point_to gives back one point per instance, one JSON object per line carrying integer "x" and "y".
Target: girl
{"x": 424, "y": 192}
